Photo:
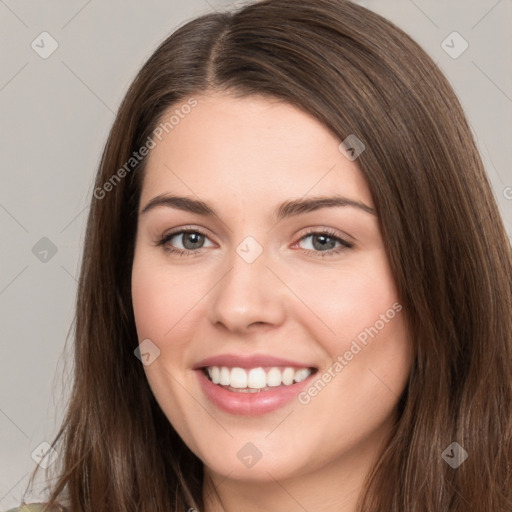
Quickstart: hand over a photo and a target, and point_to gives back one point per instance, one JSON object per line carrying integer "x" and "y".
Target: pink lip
{"x": 248, "y": 361}
{"x": 250, "y": 404}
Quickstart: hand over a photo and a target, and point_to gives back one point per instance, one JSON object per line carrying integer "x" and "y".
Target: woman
{"x": 293, "y": 232}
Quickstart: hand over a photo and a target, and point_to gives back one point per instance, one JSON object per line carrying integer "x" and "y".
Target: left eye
{"x": 323, "y": 242}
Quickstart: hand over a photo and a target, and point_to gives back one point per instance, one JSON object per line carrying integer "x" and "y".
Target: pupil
{"x": 192, "y": 240}
{"x": 323, "y": 242}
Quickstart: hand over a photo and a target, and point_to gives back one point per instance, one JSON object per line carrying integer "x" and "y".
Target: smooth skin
{"x": 306, "y": 297}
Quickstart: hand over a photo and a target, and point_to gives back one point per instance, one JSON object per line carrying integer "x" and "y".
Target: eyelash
{"x": 320, "y": 254}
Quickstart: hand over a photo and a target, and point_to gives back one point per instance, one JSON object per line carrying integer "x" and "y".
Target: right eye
{"x": 184, "y": 241}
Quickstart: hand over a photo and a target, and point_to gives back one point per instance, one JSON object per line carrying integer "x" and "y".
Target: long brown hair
{"x": 451, "y": 259}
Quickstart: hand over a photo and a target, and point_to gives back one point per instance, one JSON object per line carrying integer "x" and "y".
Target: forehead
{"x": 252, "y": 147}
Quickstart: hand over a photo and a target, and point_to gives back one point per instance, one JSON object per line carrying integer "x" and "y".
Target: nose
{"x": 249, "y": 295}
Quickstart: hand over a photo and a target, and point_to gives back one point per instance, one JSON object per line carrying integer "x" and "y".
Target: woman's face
{"x": 281, "y": 276}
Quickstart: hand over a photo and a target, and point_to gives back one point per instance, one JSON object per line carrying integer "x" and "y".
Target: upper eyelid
{"x": 185, "y": 229}
{"x": 168, "y": 236}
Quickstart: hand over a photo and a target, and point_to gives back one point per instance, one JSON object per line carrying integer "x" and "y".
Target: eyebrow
{"x": 287, "y": 209}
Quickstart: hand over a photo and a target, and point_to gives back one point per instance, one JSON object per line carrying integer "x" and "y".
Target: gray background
{"x": 55, "y": 117}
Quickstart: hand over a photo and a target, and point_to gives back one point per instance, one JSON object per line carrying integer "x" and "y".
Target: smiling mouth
{"x": 256, "y": 380}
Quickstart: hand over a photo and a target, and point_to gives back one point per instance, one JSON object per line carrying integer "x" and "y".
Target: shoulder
{"x": 31, "y": 507}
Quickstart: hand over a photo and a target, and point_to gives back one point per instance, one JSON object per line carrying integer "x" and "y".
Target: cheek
{"x": 167, "y": 304}
{"x": 158, "y": 300}
{"x": 346, "y": 301}
{"x": 151, "y": 298}
{"x": 162, "y": 305}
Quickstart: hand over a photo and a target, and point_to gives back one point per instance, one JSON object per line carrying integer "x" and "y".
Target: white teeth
{"x": 214, "y": 373}
{"x": 256, "y": 378}
{"x": 288, "y": 376}
{"x": 302, "y": 374}
{"x": 274, "y": 377}
{"x": 224, "y": 376}
{"x": 238, "y": 378}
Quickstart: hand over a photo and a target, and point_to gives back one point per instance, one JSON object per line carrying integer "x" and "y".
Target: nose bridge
{"x": 248, "y": 293}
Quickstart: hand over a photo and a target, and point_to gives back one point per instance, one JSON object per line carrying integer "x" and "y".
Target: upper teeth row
{"x": 256, "y": 378}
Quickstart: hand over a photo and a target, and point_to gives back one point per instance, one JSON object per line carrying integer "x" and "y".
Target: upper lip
{"x": 248, "y": 361}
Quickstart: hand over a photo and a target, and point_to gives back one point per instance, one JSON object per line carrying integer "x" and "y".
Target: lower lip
{"x": 250, "y": 404}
